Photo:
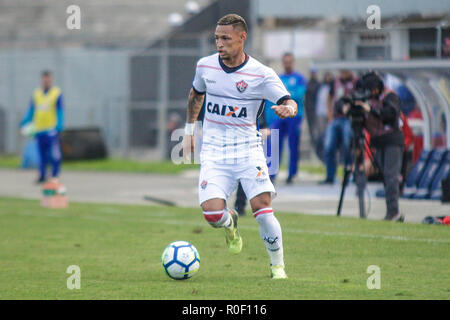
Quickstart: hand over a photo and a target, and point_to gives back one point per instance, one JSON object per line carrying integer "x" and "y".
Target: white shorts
{"x": 218, "y": 180}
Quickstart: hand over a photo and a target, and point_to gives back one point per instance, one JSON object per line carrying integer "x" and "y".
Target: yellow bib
{"x": 45, "y": 109}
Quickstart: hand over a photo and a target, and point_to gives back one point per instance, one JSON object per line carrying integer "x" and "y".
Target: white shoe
{"x": 277, "y": 272}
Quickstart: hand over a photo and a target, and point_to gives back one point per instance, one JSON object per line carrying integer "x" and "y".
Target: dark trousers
{"x": 290, "y": 128}
{"x": 241, "y": 199}
{"x": 390, "y": 158}
{"x": 339, "y": 132}
{"x": 49, "y": 152}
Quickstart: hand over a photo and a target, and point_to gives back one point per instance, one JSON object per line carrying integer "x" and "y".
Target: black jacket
{"x": 382, "y": 122}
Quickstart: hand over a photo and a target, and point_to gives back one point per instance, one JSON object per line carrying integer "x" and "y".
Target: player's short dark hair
{"x": 234, "y": 20}
{"x": 46, "y": 73}
{"x": 288, "y": 54}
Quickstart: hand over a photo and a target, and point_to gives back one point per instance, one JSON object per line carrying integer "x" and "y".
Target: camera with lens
{"x": 355, "y": 112}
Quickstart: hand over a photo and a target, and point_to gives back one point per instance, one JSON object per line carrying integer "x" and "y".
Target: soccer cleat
{"x": 232, "y": 236}
{"x": 277, "y": 272}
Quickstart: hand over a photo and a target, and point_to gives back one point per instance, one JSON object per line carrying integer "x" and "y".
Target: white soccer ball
{"x": 180, "y": 260}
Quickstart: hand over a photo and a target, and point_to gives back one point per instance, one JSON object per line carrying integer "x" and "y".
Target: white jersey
{"x": 233, "y": 98}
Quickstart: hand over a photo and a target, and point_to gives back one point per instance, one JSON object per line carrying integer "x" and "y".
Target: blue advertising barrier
{"x": 429, "y": 173}
{"x": 416, "y": 173}
{"x": 442, "y": 174}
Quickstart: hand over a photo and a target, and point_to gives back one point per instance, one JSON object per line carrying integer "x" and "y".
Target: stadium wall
{"x": 94, "y": 83}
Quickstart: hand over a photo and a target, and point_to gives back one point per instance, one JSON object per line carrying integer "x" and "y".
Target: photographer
{"x": 382, "y": 119}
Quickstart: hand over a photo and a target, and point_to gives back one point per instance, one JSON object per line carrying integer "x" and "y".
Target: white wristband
{"x": 291, "y": 108}
{"x": 189, "y": 129}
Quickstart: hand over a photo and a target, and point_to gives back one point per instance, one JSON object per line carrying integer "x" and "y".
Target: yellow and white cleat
{"x": 277, "y": 272}
{"x": 232, "y": 236}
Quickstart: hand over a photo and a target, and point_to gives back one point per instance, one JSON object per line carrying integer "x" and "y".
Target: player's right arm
{"x": 276, "y": 92}
{"x": 195, "y": 103}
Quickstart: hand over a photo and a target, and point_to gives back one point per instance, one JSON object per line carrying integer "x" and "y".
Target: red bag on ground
{"x": 446, "y": 220}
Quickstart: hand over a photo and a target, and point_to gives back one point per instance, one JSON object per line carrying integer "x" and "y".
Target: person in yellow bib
{"x": 45, "y": 120}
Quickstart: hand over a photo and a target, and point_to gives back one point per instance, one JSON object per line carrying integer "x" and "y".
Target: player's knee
{"x": 261, "y": 202}
{"x": 213, "y": 205}
{"x": 214, "y": 217}
{"x": 213, "y": 211}
{"x": 261, "y": 205}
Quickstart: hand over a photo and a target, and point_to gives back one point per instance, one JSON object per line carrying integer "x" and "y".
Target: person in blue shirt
{"x": 295, "y": 83}
{"x": 45, "y": 120}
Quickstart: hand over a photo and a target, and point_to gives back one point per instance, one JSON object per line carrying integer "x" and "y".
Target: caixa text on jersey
{"x": 227, "y": 111}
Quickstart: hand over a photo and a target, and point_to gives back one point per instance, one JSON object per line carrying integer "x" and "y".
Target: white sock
{"x": 270, "y": 231}
{"x": 218, "y": 219}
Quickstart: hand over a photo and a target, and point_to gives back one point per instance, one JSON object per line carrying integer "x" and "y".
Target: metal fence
{"x": 160, "y": 80}
{"x": 136, "y": 99}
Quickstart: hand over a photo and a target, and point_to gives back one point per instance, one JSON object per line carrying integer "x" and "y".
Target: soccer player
{"x": 233, "y": 86}
{"x": 46, "y": 113}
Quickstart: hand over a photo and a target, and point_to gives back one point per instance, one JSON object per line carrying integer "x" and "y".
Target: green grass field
{"x": 135, "y": 166}
{"x": 110, "y": 165}
{"x": 118, "y": 249}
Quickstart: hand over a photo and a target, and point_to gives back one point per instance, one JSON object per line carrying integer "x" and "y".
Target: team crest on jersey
{"x": 204, "y": 184}
{"x": 241, "y": 86}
